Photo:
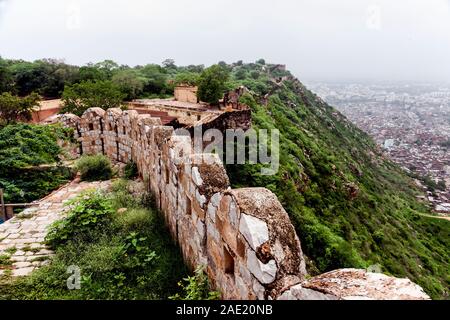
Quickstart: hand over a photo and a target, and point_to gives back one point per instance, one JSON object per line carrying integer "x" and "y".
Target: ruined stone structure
{"x": 186, "y": 113}
{"x": 243, "y": 237}
{"x": 186, "y": 93}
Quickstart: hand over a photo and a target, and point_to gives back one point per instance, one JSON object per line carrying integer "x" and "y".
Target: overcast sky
{"x": 317, "y": 39}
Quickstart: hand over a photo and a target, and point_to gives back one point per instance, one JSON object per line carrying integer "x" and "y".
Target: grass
{"x": 11, "y": 250}
{"x": 5, "y": 261}
{"x": 131, "y": 256}
{"x": 41, "y": 258}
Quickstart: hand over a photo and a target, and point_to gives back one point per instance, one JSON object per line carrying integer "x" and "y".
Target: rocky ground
{"x": 22, "y": 246}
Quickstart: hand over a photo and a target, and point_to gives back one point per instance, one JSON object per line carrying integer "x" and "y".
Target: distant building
{"x": 46, "y": 109}
{"x": 184, "y": 93}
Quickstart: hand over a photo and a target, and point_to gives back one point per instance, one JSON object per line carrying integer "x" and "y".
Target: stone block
{"x": 254, "y": 230}
{"x": 265, "y": 273}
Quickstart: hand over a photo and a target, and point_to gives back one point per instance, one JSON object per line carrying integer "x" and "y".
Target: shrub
{"x": 94, "y": 168}
{"x": 130, "y": 171}
{"x": 196, "y": 287}
{"x": 88, "y": 212}
{"x": 24, "y": 149}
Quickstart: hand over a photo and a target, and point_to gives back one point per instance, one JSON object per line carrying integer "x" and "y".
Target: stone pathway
{"x": 22, "y": 237}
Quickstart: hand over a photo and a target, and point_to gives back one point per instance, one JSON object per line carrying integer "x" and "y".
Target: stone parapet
{"x": 243, "y": 237}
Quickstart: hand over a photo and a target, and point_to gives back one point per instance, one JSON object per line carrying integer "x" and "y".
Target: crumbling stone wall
{"x": 186, "y": 93}
{"x": 243, "y": 237}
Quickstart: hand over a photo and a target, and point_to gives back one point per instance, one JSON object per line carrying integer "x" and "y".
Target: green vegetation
{"x": 86, "y": 215}
{"x": 131, "y": 170}
{"x": 350, "y": 206}
{"x": 211, "y": 84}
{"x": 432, "y": 185}
{"x": 81, "y": 96}
{"x": 130, "y": 82}
{"x": 121, "y": 254}
{"x": 46, "y": 77}
{"x": 93, "y": 168}
{"x": 30, "y": 161}
{"x": 13, "y": 108}
{"x": 52, "y": 78}
{"x": 5, "y": 262}
{"x": 196, "y": 287}
{"x": 187, "y": 78}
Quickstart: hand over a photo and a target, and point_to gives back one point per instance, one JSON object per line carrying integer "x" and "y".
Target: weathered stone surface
{"x": 297, "y": 292}
{"x": 212, "y": 212}
{"x": 215, "y": 199}
{"x": 265, "y": 273}
{"x": 196, "y": 176}
{"x": 22, "y": 271}
{"x": 254, "y": 230}
{"x": 259, "y": 290}
{"x": 351, "y": 284}
{"x": 244, "y": 236}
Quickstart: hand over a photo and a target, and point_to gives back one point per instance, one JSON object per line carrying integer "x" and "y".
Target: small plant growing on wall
{"x": 196, "y": 287}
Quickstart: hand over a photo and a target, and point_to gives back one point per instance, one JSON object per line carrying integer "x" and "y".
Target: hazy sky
{"x": 317, "y": 39}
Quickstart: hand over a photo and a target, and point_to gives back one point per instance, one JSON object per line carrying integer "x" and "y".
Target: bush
{"x": 196, "y": 287}
{"x": 89, "y": 211}
{"x": 130, "y": 171}
{"x": 26, "y": 150}
{"x": 94, "y": 168}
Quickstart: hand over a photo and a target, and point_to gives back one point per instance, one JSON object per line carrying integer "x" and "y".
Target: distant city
{"x": 411, "y": 122}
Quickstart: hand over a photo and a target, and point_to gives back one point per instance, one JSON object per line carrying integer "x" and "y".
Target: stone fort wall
{"x": 243, "y": 237}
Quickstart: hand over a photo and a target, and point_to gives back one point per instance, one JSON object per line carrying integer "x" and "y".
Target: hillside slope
{"x": 351, "y": 206}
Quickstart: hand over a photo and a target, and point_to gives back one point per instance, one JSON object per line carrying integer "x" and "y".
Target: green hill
{"x": 351, "y": 206}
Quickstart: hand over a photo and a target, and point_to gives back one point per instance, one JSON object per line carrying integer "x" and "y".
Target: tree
{"x": 241, "y": 74}
{"x": 14, "y": 108}
{"x": 254, "y": 74}
{"x": 91, "y": 72}
{"x": 28, "y": 77}
{"x": 6, "y": 79}
{"x": 79, "y": 97}
{"x": 130, "y": 83}
{"x": 211, "y": 84}
{"x": 46, "y": 77}
{"x": 108, "y": 67}
{"x": 155, "y": 78}
{"x": 195, "y": 68}
{"x": 169, "y": 64}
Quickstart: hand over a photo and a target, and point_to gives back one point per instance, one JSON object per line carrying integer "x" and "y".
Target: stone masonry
{"x": 243, "y": 237}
